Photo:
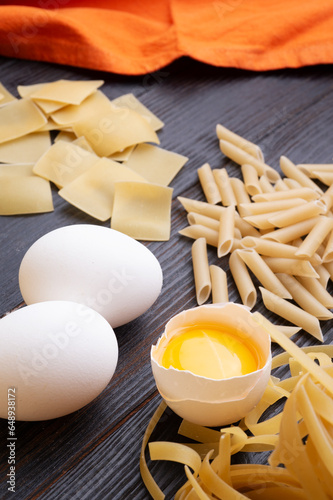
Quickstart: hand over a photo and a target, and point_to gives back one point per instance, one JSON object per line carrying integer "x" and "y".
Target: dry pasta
{"x": 306, "y": 193}
{"x": 208, "y": 184}
{"x": 197, "y": 231}
{"x": 226, "y": 231}
{"x": 290, "y": 170}
{"x": 219, "y": 284}
{"x": 225, "y": 134}
{"x": 297, "y": 267}
{"x": 251, "y": 179}
{"x": 224, "y": 186}
{"x": 201, "y": 270}
{"x": 315, "y": 237}
{"x": 243, "y": 281}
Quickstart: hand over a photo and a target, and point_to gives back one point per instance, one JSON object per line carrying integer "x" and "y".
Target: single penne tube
{"x": 265, "y": 185}
{"x": 292, "y": 313}
{"x": 274, "y": 249}
{"x": 219, "y": 283}
{"x": 290, "y": 170}
{"x": 328, "y": 252}
{"x": 327, "y": 198}
{"x": 208, "y": 184}
{"x": 245, "y": 228}
{"x": 309, "y": 168}
{"x": 195, "y": 218}
{"x": 307, "y": 194}
{"x": 329, "y": 267}
{"x": 263, "y": 273}
{"x": 236, "y": 244}
{"x": 314, "y": 286}
{"x": 289, "y": 233}
{"x": 280, "y": 185}
{"x": 260, "y": 221}
{"x": 266, "y": 207}
{"x": 292, "y": 183}
{"x": 323, "y": 275}
{"x": 324, "y": 177}
{"x": 197, "y": 231}
{"x": 223, "y": 183}
{"x": 243, "y": 281}
{"x": 201, "y": 207}
{"x": 226, "y": 231}
{"x": 304, "y": 298}
{"x": 237, "y": 234}
{"x": 249, "y": 147}
{"x": 251, "y": 179}
{"x": 241, "y": 157}
{"x": 297, "y": 214}
{"x": 315, "y": 237}
{"x": 201, "y": 270}
{"x": 296, "y": 267}
{"x": 239, "y": 191}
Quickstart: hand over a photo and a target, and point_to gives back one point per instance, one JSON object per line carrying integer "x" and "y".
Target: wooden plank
{"x": 286, "y": 112}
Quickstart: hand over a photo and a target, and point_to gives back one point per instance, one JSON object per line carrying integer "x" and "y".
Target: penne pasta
{"x": 274, "y": 249}
{"x": 241, "y": 157}
{"x": 327, "y": 198}
{"x": 328, "y": 252}
{"x": 265, "y": 185}
{"x": 245, "y": 228}
{"x": 297, "y": 214}
{"x": 309, "y": 168}
{"x": 289, "y": 331}
{"x": 197, "y": 231}
{"x": 201, "y": 207}
{"x": 249, "y": 147}
{"x": 307, "y": 194}
{"x": 291, "y": 171}
{"x": 289, "y": 233}
{"x": 208, "y": 184}
{"x": 292, "y": 313}
{"x": 263, "y": 273}
{"x": 251, "y": 179}
{"x": 243, "y": 281}
{"x": 223, "y": 183}
{"x": 296, "y": 267}
{"x": 304, "y": 298}
{"x": 226, "y": 231}
{"x": 195, "y": 218}
{"x": 280, "y": 185}
{"x": 261, "y": 221}
{"x": 219, "y": 283}
{"x": 267, "y": 207}
{"x": 329, "y": 267}
{"x": 201, "y": 270}
{"x": 315, "y": 237}
{"x": 314, "y": 286}
{"x": 323, "y": 275}
{"x": 239, "y": 191}
{"x": 292, "y": 183}
{"x": 324, "y": 177}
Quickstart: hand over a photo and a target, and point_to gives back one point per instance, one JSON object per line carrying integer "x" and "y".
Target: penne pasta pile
{"x": 299, "y": 438}
{"x": 278, "y": 229}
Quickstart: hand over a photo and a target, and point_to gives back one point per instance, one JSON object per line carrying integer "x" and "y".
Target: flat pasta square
{"x": 63, "y": 162}
{"x": 28, "y": 148}
{"x": 93, "y": 191}
{"x": 114, "y": 129}
{"x": 96, "y": 103}
{"x": 21, "y": 192}
{"x": 131, "y": 102}
{"x": 6, "y": 95}
{"x": 142, "y": 210}
{"x": 157, "y": 165}
{"x": 19, "y": 118}
{"x": 66, "y": 91}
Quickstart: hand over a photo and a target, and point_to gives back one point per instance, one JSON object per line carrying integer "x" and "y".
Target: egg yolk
{"x": 211, "y": 353}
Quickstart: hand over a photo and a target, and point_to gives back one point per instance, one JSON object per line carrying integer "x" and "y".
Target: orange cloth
{"x": 141, "y": 36}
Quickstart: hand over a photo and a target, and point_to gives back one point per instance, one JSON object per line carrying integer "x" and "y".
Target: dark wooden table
{"x": 94, "y": 453}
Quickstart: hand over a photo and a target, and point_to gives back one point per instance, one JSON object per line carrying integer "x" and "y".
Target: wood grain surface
{"x": 94, "y": 453}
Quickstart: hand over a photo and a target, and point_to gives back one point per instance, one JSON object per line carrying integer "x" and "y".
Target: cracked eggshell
{"x": 56, "y": 356}
{"x": 93, "y": 265}
{"x": 206, "y": 401}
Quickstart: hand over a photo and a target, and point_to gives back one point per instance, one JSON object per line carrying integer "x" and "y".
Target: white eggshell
{"x": 203, "y": 400}
{"x": 56, "y": 356}
{"x": 93, "y": 265}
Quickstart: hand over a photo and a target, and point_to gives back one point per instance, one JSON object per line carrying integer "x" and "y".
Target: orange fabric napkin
{"x": 140, "y": 36}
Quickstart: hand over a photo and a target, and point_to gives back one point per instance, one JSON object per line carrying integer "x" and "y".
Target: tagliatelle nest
{"x": 301, "y": 437}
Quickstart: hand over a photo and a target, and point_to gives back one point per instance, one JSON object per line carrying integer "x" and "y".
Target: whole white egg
{"x": 97, "y": 266}
{"x": 55, "y": 357}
